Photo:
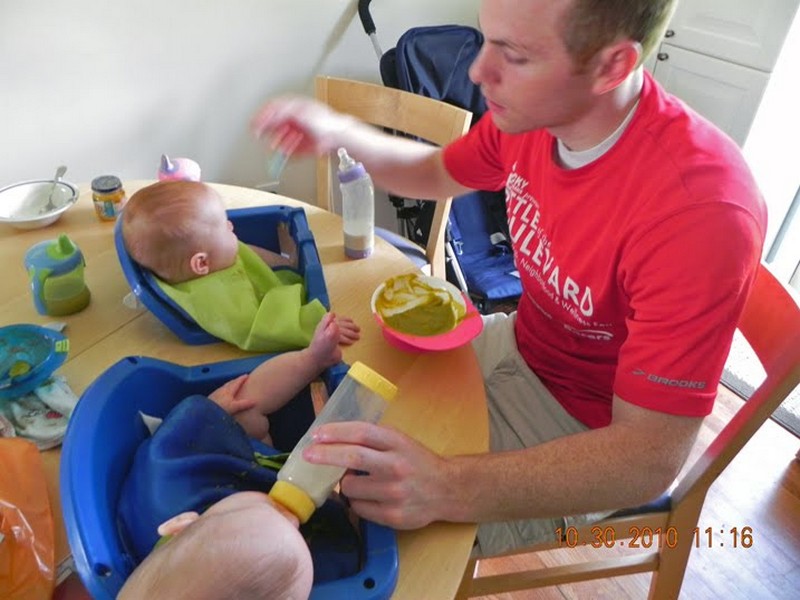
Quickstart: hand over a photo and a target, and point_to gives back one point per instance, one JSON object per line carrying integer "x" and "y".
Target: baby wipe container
{"x": 55, "y": 268}
{"x": 302, "y": 487}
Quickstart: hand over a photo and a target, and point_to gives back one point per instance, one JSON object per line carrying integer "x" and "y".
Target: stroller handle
{"x": 366, "y": 18}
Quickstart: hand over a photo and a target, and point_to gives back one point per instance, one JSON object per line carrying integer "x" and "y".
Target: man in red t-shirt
{"x": 637, "y": 230}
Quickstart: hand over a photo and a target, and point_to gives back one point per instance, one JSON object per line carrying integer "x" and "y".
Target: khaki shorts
{"x": 522, "y": 413}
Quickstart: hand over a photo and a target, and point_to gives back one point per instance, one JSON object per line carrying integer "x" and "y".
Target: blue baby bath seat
{"x": 257, "y": 226}
{"x": 103, "y": 436}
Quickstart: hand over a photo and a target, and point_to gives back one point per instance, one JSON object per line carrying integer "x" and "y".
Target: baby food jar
{"x": 108, "y": 196}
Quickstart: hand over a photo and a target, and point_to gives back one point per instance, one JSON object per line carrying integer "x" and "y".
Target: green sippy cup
{"x": 55, "y": 268}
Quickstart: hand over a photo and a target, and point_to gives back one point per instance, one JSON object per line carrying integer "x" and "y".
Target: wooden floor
{"x": 760, "y": 489}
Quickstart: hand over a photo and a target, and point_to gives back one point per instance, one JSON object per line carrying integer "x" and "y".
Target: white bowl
{"x": 25, "y": 205}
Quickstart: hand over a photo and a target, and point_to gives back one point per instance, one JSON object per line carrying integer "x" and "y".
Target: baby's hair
{"x": 236, "y": 562}
{"x": 163, "y": 223}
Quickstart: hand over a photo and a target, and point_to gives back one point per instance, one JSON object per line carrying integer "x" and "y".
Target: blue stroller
{"x": 434, "y": 62}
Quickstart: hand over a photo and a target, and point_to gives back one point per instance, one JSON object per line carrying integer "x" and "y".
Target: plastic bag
{"x": 27, "y": 547}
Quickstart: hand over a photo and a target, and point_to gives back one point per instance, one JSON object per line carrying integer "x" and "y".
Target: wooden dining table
{"x": 441, "y": 401}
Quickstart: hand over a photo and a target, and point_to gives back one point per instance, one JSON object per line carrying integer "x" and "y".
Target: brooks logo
{"x": 680, "y": 383}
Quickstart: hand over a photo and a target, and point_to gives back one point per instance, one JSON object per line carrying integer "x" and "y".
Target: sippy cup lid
{"x": 57, "y": 256}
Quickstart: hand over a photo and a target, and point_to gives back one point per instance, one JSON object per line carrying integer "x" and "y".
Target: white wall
{"x": 108, "y": 86}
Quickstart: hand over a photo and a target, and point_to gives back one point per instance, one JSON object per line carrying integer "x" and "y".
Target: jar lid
{"x": 106, "y": 183}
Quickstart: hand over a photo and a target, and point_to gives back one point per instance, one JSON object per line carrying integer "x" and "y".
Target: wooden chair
{"x": 771, "y": 325}
{"x": 403, "y": 112}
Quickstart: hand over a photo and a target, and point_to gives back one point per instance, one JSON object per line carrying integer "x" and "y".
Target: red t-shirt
{"x": 635, "y": 267}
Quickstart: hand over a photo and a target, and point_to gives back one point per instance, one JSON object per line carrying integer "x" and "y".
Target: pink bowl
{"x": 471, "y": 325}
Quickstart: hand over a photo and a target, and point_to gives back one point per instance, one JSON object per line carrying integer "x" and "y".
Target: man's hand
{"x": 392, "y": 479}
{"x": 298, "y": 125}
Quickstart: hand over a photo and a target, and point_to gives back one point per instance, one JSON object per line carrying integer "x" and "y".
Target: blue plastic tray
{"x": 257, "y": 226}
{"x": 102, "y": 437}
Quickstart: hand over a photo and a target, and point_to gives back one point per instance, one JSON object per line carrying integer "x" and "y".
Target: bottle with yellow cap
{"x": 302, "y": 487}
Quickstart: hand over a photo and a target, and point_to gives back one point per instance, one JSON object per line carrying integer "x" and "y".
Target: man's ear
{"x": 199, "y": 263}
{"x": 614, "y": 63}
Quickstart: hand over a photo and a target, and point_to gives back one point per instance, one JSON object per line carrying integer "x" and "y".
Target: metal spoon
{"x": 59, "y": 174}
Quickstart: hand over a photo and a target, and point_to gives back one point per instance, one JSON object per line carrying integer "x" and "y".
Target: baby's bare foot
{"x": 324, "y": 345}
{"x": 349, "y": 331}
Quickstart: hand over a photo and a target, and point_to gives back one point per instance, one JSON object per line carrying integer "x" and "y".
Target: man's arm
{"x": 628, "y": 463}
{"x": 398, "y": 165}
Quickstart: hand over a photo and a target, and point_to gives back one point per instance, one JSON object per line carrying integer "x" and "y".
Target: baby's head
{"x": 179, "y": 230}
{"x": 244, "y": 546}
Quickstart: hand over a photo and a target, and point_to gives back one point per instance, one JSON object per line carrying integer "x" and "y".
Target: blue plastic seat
{"x": 102, "y": 437}
{"x": 257, "y": 226}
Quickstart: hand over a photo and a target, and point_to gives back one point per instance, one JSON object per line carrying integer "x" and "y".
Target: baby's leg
{"x": 273, "y": 259}
{"x": 324, "y": 348}
{"x": 276, "y": 381}
{"x": 287, "y": 245}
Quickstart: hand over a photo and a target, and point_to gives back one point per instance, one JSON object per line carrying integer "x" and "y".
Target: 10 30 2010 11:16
{"x": 654, "y": 537}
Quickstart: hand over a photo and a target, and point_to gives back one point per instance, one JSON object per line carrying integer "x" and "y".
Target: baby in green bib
{"x": 180, "y": 231}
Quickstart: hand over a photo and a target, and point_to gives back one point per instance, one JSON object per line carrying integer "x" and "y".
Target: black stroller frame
{"x": 475, "y": 273}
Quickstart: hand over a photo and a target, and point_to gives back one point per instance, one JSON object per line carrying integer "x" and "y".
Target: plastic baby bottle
{"x": 358, "y": 207}
{"x": 302, "y": 487}
{"x": 55, "y": 268}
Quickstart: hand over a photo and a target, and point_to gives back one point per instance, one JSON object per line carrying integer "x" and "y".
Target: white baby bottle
{"x": 302, "y": 487}
{"x": 358, "y": 207}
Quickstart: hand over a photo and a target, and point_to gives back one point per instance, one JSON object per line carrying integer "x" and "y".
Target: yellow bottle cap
{"x": 374, "y": 381}
{"x": 293, "y": 498}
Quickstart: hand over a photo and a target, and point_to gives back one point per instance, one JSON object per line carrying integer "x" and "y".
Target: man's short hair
{"x": 591, "y": 25}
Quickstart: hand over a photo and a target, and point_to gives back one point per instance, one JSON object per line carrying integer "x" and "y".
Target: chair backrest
{"x": 430, "y": 120}
{"x": 771, "y": 325}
